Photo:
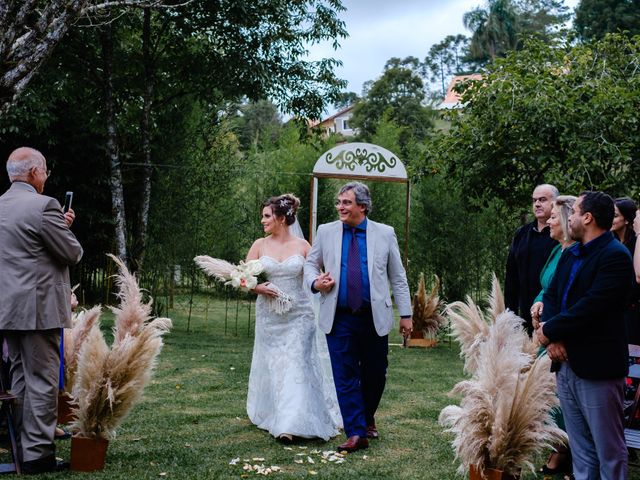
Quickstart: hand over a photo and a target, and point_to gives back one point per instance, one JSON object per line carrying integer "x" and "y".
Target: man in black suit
{"x": 528, "y": 253}
{"x": 584, "y": 332}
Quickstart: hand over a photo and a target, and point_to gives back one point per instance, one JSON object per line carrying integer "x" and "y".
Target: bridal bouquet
{"x": 243, "y": 276}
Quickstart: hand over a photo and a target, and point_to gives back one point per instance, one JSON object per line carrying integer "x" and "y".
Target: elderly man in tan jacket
{"x": 36, "y": 250}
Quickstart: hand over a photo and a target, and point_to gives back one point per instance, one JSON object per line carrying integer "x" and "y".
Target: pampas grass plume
{"x": 133, "y": 312}
{"x": 469, "y": 328}
{"x": 110, "y": 382}
{"x": 74, "y": 339}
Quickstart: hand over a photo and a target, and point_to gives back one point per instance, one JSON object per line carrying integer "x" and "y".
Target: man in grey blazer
{"x": 36, "y": 249}
{"x": 353, "y": 263}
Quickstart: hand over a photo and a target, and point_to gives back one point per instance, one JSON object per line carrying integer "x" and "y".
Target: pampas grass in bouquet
{"x": 110, "y": 381}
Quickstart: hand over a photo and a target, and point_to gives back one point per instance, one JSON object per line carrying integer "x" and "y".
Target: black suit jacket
{"x": 592, "y": 325}
{"x": 527, "y": 255}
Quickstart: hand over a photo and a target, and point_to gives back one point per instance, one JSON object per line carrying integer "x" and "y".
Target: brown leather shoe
{"x": 372, "y": 431}
{"x": 353, "y": 443}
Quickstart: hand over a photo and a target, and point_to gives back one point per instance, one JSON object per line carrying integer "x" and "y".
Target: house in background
{"x": 452, "y": 98}
{"x": 338, "y": 123}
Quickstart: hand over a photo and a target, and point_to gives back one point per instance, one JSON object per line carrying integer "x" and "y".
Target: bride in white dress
{"x": 291, "y": 391}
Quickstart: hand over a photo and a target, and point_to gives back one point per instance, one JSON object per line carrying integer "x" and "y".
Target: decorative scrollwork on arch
{"x": 349, "y": 159}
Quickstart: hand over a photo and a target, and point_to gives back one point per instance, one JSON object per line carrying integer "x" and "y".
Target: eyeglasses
{"x": 344, "y": 203}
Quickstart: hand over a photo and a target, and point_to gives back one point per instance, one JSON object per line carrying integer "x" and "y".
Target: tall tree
{"x": 494, "y": 29}
{"x": 31, "y": 29}
{"x": 346, "y": 99}
{"x": 398, "y": 94}
{"x": 542, "y": 18}
{"x": 258, "y": 124}
{"x": 499, "y": 26}
{"x": 447, "y": 58}
{"x": 596, "y": 18}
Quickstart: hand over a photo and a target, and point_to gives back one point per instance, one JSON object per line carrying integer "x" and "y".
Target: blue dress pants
{"x": 594, "y": 418}
{"x": 359, "y": 363}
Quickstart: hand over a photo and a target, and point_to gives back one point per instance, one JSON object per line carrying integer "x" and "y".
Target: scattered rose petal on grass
{"x": 312, "y": 472}
{"x": 163, "y": 474}
{"x": 364, "y": 457}
{"x": 298, "y": 460}
{"x": 258, "y": 459}
{"x": 234, "y": 461}
{"x": 288, "y": 448}
{"x": 310, "y": 460}
{"x": 188, "y": 445}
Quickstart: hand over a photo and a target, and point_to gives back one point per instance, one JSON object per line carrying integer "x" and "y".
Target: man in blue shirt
{"x": 583, "y": 329}
{"x": 353, "y": 263}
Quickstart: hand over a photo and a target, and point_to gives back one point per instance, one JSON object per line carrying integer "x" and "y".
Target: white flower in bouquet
{"x": 245, "y": 275}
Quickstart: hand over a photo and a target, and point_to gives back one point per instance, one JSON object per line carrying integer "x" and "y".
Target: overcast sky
{"x": 381, "y": 29}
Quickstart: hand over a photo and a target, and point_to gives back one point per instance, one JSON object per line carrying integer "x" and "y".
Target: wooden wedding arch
{"x": 359, "y": 161}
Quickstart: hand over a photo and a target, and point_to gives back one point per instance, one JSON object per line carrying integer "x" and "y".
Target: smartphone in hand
{"x": 68, "y": 198}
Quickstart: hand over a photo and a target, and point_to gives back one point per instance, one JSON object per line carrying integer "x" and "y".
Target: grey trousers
{"x": 35, "y": 368}
{"x": 593, "y": 413}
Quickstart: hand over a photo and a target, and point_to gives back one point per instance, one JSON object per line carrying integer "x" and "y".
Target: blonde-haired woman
{"x": 560, "y": 460}
{"x": 290, "y": 394}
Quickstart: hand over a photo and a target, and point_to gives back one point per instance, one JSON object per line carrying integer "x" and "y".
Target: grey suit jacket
{"x": 384, "y": 266}
{"x": 36, "y": 249}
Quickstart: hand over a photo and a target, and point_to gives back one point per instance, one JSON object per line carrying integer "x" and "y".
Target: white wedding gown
{"x": 291, "y": 389}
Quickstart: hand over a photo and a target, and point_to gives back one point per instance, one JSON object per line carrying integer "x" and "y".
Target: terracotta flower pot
{"x": 88, "y": 454}
{"x": 490, "y": 474}
{"x": 417, "y": 334}
{"x": 418, "y": 339}
{"x": 65, "y": 406}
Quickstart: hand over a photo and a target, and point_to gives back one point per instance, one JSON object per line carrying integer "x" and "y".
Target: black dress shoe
{"x": 353, "y": 443}
{"x": 44, "y": 465}
{"x": 564, "y": 465}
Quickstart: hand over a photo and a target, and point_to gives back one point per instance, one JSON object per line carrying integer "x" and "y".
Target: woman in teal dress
{"x": 560, "y": 460}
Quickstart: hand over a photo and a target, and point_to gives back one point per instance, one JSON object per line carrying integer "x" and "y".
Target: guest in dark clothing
{"x": 622, "y": 228}
{"x": 529, "y": 251}
{"x": 583, "y": 329}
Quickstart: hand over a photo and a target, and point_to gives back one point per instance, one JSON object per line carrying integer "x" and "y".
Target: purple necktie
{"x": 354, "y": 274}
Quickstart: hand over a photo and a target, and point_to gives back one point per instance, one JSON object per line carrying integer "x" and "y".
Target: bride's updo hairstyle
{"x": 284, "y": 206}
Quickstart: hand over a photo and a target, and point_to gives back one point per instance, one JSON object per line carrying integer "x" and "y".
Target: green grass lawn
{"x": 192, "y": 421}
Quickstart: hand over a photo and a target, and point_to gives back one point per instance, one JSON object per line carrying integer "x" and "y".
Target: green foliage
{"x": 258, "y": 123}
{"x": 497, "y": 27}
{"x": 462, "y": 245}
{"x": 564, "y": 116}
{"x": 596, "y": 18}
{"x": 494, "y": 29}
{"x": 446, "y": 58}
{"x": 399, "y": 94}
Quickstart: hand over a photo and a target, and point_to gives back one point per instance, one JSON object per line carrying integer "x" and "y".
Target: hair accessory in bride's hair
{"x": 283, "y": 202}
{"x": 290, "y": 212}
